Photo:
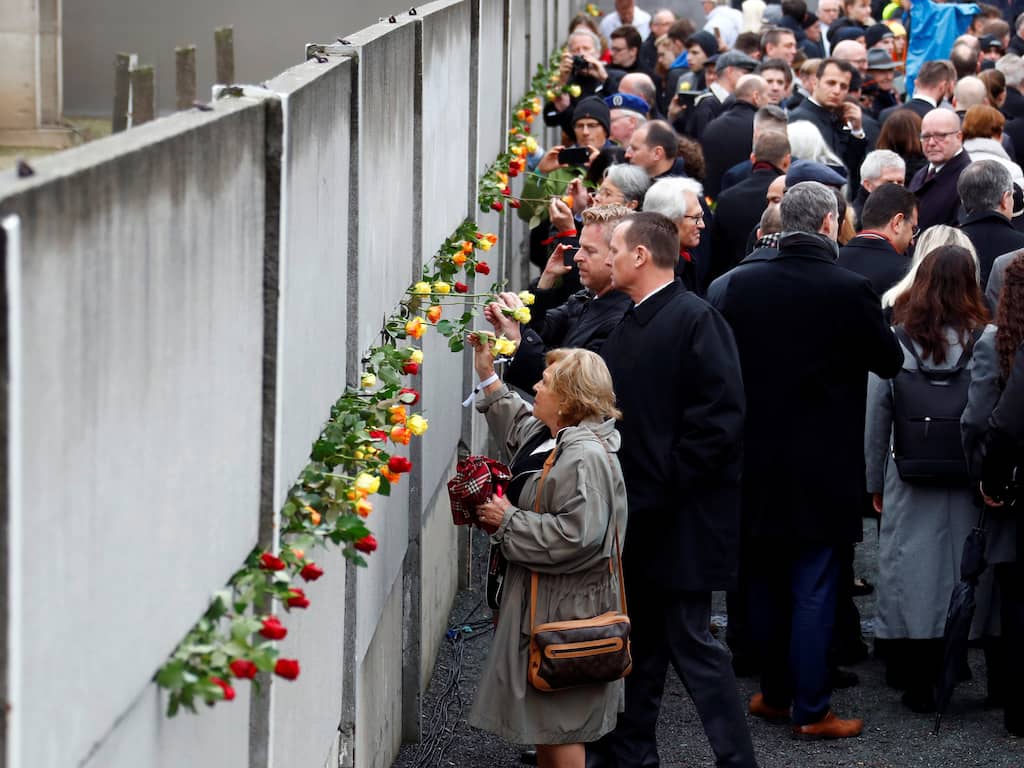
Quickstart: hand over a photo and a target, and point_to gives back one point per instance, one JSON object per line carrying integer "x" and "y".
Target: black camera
{"x": 579, "y": 65}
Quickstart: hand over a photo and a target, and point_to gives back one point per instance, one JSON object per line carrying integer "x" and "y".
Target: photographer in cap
{"x": 582, "y": 70}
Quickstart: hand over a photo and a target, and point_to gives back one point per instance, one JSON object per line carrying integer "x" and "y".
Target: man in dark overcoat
{"x": 729, "y": 137}
{"x": 740, "y": 207}
{"x": 676, "y": 376}
{"x": 935, "y": 184}
{"x": 839, "y": 121}
{"x": 986, "y": 191}
{"x": 808, "y": 332}
{"x": 879, "y": 252}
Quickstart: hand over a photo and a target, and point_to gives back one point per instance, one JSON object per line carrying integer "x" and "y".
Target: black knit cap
{"x": 595, "y": 108}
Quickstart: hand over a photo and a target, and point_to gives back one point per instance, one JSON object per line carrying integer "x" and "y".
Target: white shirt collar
{"x": 928, "y": 99}
{"x": 720, "y": 93}
{"x": 661, "y": 287}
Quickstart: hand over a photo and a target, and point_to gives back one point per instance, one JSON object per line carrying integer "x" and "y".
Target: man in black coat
{"x": 838, "y": 120}
{"x": 739, "y": 208}
{"x": 879, "y": 252}
{"x": 585, "y": 320}
{"x": 933, "y": 84}
{"x": 729, "y": 137}
{"x": 676, "y": 375}
{"x": 729, "y": 68}
{"x": 986, "y": 189}
{"x": 808, "y": 332}
{"x": 935, "y": 184}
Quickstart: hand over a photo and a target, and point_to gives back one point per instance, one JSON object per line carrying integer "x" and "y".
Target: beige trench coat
{"x": 569, "y": 542}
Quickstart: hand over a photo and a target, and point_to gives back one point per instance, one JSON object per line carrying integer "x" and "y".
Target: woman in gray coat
{"x": 993, "y": 361}
{"x": 923, "y": 526}
{"x": 567, "y": 536}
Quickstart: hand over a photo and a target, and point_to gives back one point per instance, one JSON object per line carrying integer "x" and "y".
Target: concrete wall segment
{"x": 142, "y": 319}
{"x": 387, "y": 72}
{"x": 313, "y": 309}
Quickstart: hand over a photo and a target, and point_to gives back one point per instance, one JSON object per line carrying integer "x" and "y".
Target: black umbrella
{"x": 959, "y": 617}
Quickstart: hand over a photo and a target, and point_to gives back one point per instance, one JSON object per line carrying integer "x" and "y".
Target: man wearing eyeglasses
{"x": 935, "y": 185}
{"x": 879, "y": 252}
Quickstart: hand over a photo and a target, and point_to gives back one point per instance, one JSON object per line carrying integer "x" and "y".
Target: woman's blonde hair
{"x": 930, "y": 239}
{"x": 580, "y": 379}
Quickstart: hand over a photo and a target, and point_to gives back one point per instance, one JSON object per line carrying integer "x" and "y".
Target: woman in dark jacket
{"x": 993, "y": 432}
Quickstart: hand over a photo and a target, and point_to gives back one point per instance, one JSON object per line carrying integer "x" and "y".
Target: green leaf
{"x": 171, "y": 675}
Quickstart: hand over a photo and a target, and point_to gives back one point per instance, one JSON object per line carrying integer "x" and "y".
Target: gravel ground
{"x": 893, "y": 736}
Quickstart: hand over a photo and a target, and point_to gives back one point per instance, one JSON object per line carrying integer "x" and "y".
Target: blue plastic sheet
{"x": 933, "y": 28}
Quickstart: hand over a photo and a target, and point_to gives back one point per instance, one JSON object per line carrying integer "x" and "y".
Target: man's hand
{"x": 554, "y": 269}
{"x": 595, "y": 68}
{"x": 549, "y": 162}
{"x": 852, "y": 116}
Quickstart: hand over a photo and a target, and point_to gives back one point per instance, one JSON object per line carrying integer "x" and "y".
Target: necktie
{"x": 930, "y": 175}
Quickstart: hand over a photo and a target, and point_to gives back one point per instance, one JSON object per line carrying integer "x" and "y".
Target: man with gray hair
{"x": 986, "y": 191}
{"x": 880, "y": 166}
{"x": 678, "y": 199}
{"x": 808, "y": 332}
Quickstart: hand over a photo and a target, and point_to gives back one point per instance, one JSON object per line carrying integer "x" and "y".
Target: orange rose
{"x": 398, "y": 414}
{"x": 401, "y": 435}
{"x": 415, "y": 328}
{"x": 434, "y": 313}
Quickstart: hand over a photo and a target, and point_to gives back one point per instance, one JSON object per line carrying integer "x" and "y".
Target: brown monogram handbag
{"x": 569, "y": 654}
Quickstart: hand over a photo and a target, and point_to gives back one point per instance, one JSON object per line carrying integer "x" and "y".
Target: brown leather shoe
{"x": 829, "y": 727}
{"x": 760, "y": 708}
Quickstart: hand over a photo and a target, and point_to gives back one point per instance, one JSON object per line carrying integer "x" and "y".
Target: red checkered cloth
{"x": 475, "y": 480}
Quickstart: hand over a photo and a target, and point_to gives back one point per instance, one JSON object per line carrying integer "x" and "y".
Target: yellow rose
{"x": 531, "y": 144}
{"x": 368, "y": 381}
{"x": 416, "y": 355}
{"x": 575, "y": 91}
{"x": 442, "y": 287}
{"x": 417, "y": 424}
{"x": 504, "y": 346}
{"x": 527, "y": 298}
{"x": 421, "y": 288}
{"x": 484, "y": 245}
{"x": 550, "y": 94}
{"x": 367, "y": 483}
{"x": 522, "y": 314}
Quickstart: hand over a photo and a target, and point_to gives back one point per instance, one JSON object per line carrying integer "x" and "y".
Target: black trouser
{"x": 1011, "y": 592}
{"x": 674, "y": 628}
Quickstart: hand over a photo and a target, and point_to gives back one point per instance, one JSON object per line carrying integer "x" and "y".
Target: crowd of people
{"x": 781, "y": 293}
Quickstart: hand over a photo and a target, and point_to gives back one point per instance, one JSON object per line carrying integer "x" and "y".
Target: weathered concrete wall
{"x": 379, "y": 710}
{"x": 19, "y": 29}
{"x": 137, "y": 389}
{"x": 193, "y": 295}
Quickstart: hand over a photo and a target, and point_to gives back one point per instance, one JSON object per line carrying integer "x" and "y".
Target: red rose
{"x": 399, "y": 464}
{"x": 506, "y": 191}
{"x": 513, "y": 171}
{"x": 409, "y": 391}
{"x": 482, "y": 268}
{"x": 410, "y": 367}
{"x": 297, "y": 598}
{"x": 461, "y": 288}
{"x": 497, "y": 206}
{"x": 367, "y": 544}
{"x": 378, "y": 434}
{"x": 269, "y": 562}
{"x": 243, "y": 668}
{"x": 514, "y": 203}
{"x": 273, "y": 629}
{"x": 311, "y": 572}
{"x": 229, "y": 692}
{"x": 287, "y": 668}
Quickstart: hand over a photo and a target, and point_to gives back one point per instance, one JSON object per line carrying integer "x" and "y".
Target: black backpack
{"x": 926, "y": 410}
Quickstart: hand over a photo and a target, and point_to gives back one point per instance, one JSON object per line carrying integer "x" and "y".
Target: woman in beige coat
{"x": 569, "y": 541}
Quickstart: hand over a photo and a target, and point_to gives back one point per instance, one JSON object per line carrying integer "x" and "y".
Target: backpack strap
{"x": 965, "y": 356}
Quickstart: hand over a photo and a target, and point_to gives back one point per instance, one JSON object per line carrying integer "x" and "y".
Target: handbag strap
{"x": 535, "y": 577}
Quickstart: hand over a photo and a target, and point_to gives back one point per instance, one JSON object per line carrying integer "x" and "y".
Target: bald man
{"x": 729, "y": 137}
{"x": 853, "y": 52}
{"x": 935, "y": 185}
{"x": 969, "y": 92}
